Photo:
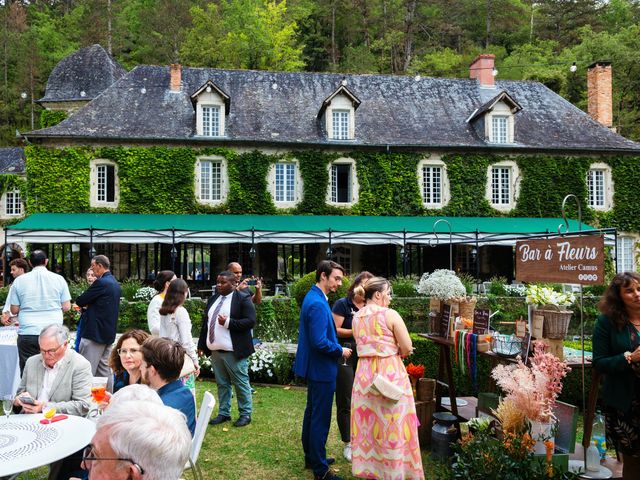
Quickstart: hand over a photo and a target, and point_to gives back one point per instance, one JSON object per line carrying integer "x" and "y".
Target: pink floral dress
{"x": 384, "y": 434}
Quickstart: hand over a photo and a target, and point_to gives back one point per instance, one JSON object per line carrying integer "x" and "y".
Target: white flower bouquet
{"x": 537, "y": 295}
{"x": 441, "y": 284}
{"x": 145, "y": 294}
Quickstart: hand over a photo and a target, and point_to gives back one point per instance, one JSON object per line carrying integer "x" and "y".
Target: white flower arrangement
{"x": 516, "y": 290}
{"x": 262, "y": 362}
{"x": 441, "y": 284}
{"x": 205, "y": 364}
{"x": 537, "y": 295}
{"x": 145, "y": 294}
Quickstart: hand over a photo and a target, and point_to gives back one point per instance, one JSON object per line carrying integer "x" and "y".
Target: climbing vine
{"x": 162, "y": 180}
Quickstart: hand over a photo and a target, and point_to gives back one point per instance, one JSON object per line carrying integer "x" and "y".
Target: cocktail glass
{"x": 7, "y": 406}
{"x": 49, "y": 412}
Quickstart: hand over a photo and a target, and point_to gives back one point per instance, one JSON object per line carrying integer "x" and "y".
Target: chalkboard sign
{"x": 480, "y": 321}
{"x": 445, "y": 320}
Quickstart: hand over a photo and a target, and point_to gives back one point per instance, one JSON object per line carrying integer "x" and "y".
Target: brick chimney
{"x": 599, "y": 91}
{"x": 482, "y": 69}
{"x": 175, "y": 81}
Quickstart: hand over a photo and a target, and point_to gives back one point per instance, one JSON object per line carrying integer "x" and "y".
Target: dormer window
{"x": 212, "y": 107}
{"x": 339, "y": 110}
{"x": 499, "y": 122}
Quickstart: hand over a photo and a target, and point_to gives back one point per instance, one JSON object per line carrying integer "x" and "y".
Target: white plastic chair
{"x": 206, "y": 409}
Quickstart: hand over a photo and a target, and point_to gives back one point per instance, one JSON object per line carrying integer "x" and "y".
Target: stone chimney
{"x": 599, "y": 91}
{"x": 482, "y": 69}
{"x": 175, "y": 77}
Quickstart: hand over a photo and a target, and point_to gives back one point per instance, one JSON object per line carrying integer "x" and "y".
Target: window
{"x": 12, "y": 204}
{"x": 285, "y": 182}
{"x": 625, "y": 261}
{"x": 341, "y": 183}
{"x": 503, "y": 185}
{"x": 342, "y": 255}
{"x": 211, "y": 121}
{"x": 499, "y": 129}
{"x": 431, "y": 185}
{"x": 500, "y": 185}
{"x": 211, "y": 181}
{"x": 104, "y": 184}
{"x": 433, "y": 182}
{"x": 599, "y": 187}
{"x": 340, "y": 124}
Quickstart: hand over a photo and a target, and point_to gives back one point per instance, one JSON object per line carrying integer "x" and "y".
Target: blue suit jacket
{"x": 102, "y": 300}
{"x": 318, "y": 347}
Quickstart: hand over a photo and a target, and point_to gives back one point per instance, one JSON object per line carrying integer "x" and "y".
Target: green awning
{"x": 284, "y": 229}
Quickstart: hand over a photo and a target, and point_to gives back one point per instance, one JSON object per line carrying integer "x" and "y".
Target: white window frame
{"x": 94, "y": 200}
{"x": 340, "y": 103}
{"x": 604, "y": 171}
{"x": 223, "y": 185}
{"x": 297, "y": 186}
{"x": 210, "y": 100}
{"x": 500, "y": 110}
{"x": 626, "y": 253}
{"x": 354, "y": 186}
{"x": 504, "y": 205}
{"x": 9, "y": 202}
{"x": 445, "y": 191}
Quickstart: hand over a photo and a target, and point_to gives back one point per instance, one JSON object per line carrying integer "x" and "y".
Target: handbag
{"x": 386, "y": 388}
{"x": 188, "y": 367}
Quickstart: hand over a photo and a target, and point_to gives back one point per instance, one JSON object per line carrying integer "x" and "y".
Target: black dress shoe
{"x": 330, "y": 461}
{"x": 243, "y": 421}
{"x": 328, "y": 475}
{"x": 219, "y": 419}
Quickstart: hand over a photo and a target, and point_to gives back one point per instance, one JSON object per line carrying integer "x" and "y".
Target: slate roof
{"x": 90, "y": 70}
{"x": 12, "y": 160}
{"x": 277, "y": 108}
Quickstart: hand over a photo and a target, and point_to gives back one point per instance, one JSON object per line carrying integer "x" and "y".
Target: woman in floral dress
{"x": 384, "y": 433}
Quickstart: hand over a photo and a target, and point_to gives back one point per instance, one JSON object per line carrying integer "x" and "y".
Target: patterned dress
{"x": 384, "y": 434}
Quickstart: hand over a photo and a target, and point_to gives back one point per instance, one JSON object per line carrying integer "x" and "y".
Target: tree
{"x": 253, "y": 34}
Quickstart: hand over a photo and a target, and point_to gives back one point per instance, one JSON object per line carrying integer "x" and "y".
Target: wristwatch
{"x": 627, "y": 356}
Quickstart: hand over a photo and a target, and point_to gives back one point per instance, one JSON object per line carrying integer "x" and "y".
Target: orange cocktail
{"x": 98, "y": 393}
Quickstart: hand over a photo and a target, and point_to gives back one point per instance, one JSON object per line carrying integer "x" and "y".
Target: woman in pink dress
{"x": 384, "y": 433}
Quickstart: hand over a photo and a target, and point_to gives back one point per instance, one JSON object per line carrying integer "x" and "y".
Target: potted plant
{"x": 445, "y": 286}
{"x": 551, "y": 305}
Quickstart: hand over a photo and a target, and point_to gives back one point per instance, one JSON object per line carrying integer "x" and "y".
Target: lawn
{"x": 269, "y": 448}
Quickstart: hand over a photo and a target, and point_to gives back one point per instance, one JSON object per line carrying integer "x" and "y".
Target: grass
{"x": 269, "y": 447}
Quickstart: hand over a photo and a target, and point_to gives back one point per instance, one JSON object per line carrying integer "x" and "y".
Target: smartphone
{"x": 28, "y": 400}
{"x": 252, "y": 281}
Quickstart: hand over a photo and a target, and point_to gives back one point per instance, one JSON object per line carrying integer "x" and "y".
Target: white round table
{"x": 25, "y": 443}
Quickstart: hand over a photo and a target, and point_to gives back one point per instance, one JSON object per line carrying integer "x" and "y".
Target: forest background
{"x": 532, "y": 40}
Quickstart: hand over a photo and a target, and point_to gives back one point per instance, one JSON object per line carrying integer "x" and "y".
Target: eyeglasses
{"x": 123, "y": 351}
{"x": 87, "y": 456}
{"x": 52, "y": 351}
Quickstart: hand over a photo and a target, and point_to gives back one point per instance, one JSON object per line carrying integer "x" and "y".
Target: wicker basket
{"x": 434, "y": 304}
{"x": 467, "y": 307}
{"x": 556, "y": 321}
{"x": 506, "y": 345}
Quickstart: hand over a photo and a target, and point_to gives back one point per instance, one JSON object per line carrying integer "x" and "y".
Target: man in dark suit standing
{"x": 226, "y": 335}
{"x": 102, "y": 303}
{"x": 317, "y": 361}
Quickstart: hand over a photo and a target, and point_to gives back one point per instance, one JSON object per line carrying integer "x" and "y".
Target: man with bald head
{"x": 243, "y": 285}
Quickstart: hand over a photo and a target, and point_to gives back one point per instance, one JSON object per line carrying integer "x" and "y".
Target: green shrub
{"x": 405, "y": 286}
{"x": 468, "y": 281}
{"x": 78, "y": 288}
{"x": 130, "y": 287}
{"x": 132, "y": 315}
{"x": 4, "y": 292}
{"x": 277, "y": 320}
{"x": 496, "y": 286}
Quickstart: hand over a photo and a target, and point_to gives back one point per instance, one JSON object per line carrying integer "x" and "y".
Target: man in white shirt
{"x": 226, "y": 336}
{"x": 38, "y": 298}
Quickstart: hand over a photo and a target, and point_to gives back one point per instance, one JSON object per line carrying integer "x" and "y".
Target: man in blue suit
{"x": 102, "y": 303}
{"x": 317, "y": 361}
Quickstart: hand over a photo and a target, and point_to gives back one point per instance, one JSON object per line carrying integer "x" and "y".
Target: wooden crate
{"x": 424, "y": 411}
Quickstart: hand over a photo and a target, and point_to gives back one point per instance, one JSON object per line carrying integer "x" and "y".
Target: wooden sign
{"x": 480, "y": 321}
{"x": 445, "y": 320}
{"x": 521, "y": 328}
{"x": 561, "y": 260}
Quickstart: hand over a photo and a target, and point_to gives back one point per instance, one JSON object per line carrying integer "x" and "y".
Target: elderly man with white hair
{"x": 134, "y": 441}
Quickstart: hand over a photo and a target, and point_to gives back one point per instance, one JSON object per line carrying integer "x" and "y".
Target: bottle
{"x": 593, "y": 458}
{"x": 598, "y": 435}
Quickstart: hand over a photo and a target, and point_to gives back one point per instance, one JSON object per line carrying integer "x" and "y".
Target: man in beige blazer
{"x": 57, "y": 376}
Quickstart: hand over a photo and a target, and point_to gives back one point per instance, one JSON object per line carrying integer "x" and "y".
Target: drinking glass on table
{"x": 49, "y": 412}
{"x": 7, "y": 406}
{"x": 346, "y": 345}
{"x": 99, "y": 389}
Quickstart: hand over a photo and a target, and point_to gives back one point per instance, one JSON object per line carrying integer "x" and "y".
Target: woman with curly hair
{"x": 126, "y": 358}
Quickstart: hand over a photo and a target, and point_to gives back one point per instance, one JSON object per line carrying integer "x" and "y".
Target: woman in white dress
{"x": 176, "y": 325}
{"x": 161, "y": 283}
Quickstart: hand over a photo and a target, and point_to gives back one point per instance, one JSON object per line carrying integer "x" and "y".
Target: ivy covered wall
{"x": 162, "y": 180}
